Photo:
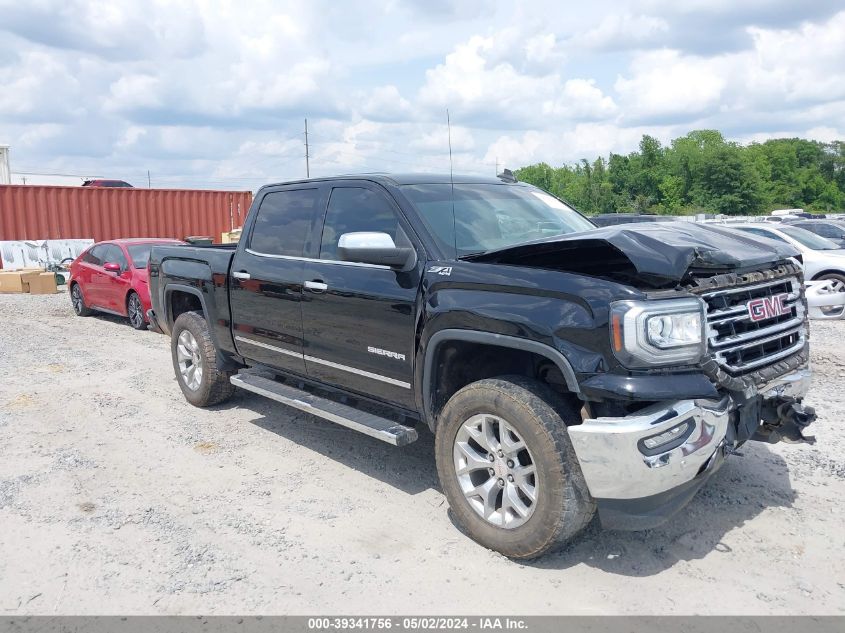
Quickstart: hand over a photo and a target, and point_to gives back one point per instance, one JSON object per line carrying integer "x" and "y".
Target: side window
{"x": 96, "y": 255}
{"x": 115, "y": 255}
{"x": 284, "y": 217}
{"x": 825, "y": 230}
{"x": 763, "y": 233}
{"x": 355, "y": 209}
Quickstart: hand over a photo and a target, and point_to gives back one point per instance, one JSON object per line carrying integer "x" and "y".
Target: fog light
{"x": 670, "y": 438}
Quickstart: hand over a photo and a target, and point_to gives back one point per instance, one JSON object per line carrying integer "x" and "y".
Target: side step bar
{"x": 367, "y": 423}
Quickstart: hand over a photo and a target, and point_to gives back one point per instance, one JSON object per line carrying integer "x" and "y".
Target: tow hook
{"x": 792, "y": 418}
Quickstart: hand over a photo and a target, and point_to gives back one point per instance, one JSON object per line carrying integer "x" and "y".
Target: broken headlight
{"x": 648, "y": 333}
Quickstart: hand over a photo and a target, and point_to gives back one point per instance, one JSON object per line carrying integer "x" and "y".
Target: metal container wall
{"x": 29, "y": 212}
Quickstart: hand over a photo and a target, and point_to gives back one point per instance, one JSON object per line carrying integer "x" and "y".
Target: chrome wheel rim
{"x": 495, "y": 471}
{"x": 136, "y": 314}
{"x": 76, "y": 299}
{"x": 188, "y": 357}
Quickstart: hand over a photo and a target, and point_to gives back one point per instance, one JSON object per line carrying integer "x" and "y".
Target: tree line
{"x": 702, "y": 173}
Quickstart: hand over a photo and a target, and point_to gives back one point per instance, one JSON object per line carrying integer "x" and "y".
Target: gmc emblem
{"x": 768, "y": 307}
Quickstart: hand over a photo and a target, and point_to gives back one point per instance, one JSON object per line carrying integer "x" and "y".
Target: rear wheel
{"x": 508, "y": 468}
{"x": 195, "y": 362}
{"x": 135, "y": 312}
{"x": 78, "y": 301}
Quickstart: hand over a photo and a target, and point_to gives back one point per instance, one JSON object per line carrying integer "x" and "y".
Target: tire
{"x": 135, "y": 311}
{"x": 562, "y": 506}
{"x": 836, "y": 277}
{"x": 212, "y": 386}
{"x": 77, "y": 300}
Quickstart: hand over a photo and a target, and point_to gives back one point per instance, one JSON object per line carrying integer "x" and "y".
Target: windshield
{"x": 808, "y": 239}
{"x": 490, "y": 217}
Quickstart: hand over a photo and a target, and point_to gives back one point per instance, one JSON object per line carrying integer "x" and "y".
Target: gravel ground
{"x": 118, "y": 497}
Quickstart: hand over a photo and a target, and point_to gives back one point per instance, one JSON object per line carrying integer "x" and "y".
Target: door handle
{"x": 316, "y": 286}
{"x": 240, "y": 274}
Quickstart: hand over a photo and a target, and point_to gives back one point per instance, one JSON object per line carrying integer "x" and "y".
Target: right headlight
{"x": 654, "y": 333}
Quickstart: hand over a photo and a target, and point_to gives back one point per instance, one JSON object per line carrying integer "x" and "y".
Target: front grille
{"x": 740, "y": 344}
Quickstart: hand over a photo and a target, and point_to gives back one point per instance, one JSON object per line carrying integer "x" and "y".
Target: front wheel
{"x": 77, "y": 299}
{"x": 508, "y": 468}
{"x": 135, "y": 311}
{"x": 195, "y": 362}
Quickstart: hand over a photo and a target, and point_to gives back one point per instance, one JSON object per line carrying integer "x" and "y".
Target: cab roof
{"x": 410, "y": 179}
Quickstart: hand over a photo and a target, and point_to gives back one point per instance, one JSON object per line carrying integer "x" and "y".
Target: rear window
{"x": 140, "y": 253}
{"x": 283, "y": 221}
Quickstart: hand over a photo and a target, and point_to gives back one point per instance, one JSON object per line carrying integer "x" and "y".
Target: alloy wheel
{"x": 188, "y": 357}
{"x": 136, "y": 312}
{"x": 76, "y": 299}
{"x": 495, "y": 471}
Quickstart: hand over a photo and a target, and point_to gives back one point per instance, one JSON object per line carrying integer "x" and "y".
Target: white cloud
{"x": 667, "y": 84}
{"x": 201, "y": 91}
{"x": 622, "y": 30}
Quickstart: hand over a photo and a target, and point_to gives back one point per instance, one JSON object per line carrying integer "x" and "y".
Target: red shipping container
{"x": 29, "y": 212}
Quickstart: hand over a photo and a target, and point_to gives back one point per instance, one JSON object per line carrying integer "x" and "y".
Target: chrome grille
{"x": 740, "y": 344}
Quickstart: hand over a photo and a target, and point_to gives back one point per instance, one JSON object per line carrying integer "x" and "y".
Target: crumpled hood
{"x": 656, "y": 253}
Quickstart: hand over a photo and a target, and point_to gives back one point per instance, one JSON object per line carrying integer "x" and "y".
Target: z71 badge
{"x": 441, "y": 270}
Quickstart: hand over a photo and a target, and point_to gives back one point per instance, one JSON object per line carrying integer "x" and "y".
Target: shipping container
{"x": 29, "y": 212}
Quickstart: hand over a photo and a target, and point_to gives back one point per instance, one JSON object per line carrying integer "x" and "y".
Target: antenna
{"x": 452, "y": 184}
{"x": 307, "y": 165}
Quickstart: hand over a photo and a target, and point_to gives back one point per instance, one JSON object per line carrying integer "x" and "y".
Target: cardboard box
{"x": 10, "y": 281}
{"x": 43, "y": 284}
{"x": 27, "y": 275}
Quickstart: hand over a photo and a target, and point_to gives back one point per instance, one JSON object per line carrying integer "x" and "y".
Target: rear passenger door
{"x": 91, "y": 277}
{"x": 358, "y": 318}
{"x": 265, "y": 284}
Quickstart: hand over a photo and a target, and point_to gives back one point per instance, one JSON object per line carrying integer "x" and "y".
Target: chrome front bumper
{"x": 617, "y": 465}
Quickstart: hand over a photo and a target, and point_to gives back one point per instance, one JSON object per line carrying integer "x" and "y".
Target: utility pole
{"x": 149, "y": 186}
{"x": 307, "y": 165}
{"x": 497, "y": 165}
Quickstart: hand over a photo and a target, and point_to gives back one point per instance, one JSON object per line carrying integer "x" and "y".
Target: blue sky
{"x": 213, "y": 94}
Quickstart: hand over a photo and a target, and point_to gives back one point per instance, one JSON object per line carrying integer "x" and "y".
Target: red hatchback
{"x": 112, "y": 277}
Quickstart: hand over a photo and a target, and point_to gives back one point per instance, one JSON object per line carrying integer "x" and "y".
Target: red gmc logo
{"x": 768, "y": 307}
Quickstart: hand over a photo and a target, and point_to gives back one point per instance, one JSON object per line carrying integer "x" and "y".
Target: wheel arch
{"x": 181, "y": 298}
{"x": 829, "y": 271}
{"x": 439, "y": 382}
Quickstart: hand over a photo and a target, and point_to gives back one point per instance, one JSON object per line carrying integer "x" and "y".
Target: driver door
{"x": 358, "y": 319}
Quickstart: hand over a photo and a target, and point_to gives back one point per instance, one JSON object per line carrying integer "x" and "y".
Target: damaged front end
{"x": 644, "y": 466}
{"x": 758, "y": 344}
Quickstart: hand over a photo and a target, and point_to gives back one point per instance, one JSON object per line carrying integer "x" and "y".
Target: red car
{"x": 112, "y": 277}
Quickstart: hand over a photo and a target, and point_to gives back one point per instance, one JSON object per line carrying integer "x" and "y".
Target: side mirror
{"x": 375, "y": 248}
{"x": 111, "y": 267}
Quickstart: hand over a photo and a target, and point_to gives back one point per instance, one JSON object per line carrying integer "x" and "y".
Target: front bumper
{"x": 636, "y": 487}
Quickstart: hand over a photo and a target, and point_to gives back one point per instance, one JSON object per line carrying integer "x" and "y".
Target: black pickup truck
{"x": 563, "y": 368}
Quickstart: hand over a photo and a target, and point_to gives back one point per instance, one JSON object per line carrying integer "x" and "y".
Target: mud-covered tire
{"x": 77, "y": 300}
{"x": 213, "y": 387}
{"x": 563, "y": 505}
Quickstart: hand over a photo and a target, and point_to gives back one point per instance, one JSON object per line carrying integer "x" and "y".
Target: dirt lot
{"x": 118, "y": 497}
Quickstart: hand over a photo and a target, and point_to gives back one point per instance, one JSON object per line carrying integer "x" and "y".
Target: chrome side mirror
{"x": 375, "y": 248}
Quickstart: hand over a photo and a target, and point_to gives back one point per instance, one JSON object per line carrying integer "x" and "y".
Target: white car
{"x": 823, "y": 259}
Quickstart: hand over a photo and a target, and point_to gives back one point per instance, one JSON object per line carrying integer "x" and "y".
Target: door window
{"x": 763, "y": 233}
{"x": 355, "y": 209}
{"x": 283, "y": 220}
{"x": 115, "y": 255}
{"x": 96, "y": 255}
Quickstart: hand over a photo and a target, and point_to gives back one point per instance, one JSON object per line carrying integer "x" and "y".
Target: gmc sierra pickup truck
{"x": 564, "y": 369}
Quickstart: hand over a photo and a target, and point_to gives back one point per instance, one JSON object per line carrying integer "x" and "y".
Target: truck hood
{"x": 656, "y": 254}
